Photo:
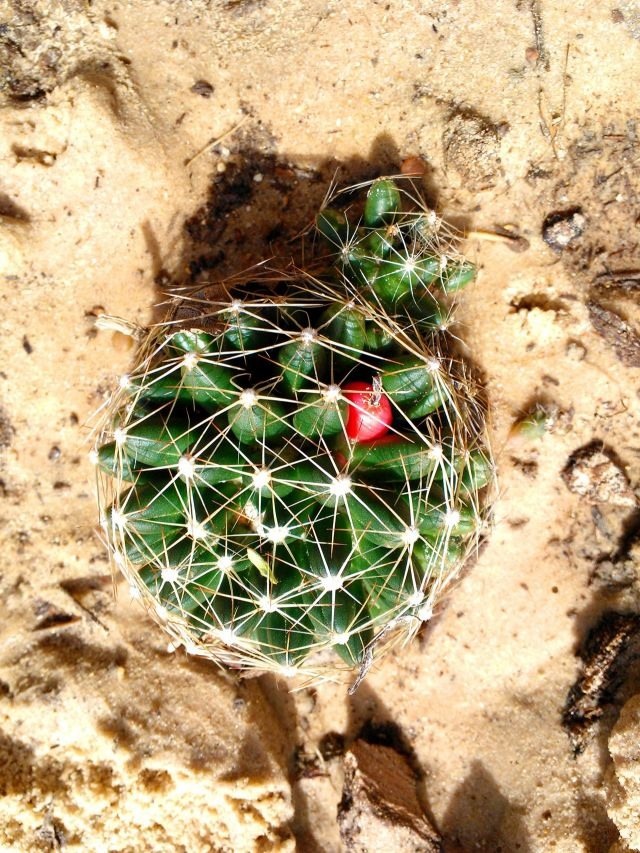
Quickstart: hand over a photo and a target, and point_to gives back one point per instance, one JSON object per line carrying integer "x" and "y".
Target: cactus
{"x": 292, "y": 479}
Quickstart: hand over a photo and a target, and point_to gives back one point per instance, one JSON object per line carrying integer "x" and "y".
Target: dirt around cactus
{"x": 145, "y": 145}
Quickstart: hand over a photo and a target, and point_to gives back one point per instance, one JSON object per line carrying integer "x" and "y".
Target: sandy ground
{"x": 147, "y": 144}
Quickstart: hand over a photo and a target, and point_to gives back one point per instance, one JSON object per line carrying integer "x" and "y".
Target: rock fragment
{"x": 472, "y": 148}
{"x": 616, "y": 574}
{"x": 594, "y": 474}
{"x": 202, "y": 88}
{"x": 562, "y": 227}
{"x": 623, "y": 800}
{"x": 380, "y": 809}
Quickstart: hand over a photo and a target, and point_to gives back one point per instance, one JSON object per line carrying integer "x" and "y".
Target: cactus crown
{"x": 301, "y": 474}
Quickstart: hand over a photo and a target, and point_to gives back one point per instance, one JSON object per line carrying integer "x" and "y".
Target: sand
{"x": 148, "y": 144}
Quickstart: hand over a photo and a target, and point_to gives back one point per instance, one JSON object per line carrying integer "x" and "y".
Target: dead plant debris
{"x": 606, "y": 653}
{"x": 616, "y": 332}
{"x": 380, "y": 809}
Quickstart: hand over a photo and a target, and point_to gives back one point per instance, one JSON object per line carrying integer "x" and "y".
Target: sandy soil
{"x": 147, "y": 144}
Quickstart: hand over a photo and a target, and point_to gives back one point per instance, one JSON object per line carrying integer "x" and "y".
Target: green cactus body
{"x": 241, "y": 499}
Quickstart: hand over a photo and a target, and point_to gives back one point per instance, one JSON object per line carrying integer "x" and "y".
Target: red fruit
{"x": 370, "y": 413}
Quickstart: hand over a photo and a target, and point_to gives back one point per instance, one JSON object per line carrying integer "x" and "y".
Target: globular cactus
{"x": 301, "y": 473}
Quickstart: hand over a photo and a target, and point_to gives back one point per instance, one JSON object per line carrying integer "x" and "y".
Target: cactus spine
{"x": 298, "y": 475}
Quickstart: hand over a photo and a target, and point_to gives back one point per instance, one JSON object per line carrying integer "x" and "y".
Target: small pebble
{"x": 202, "y": 88}
{"x": 599, "y": 477}
{"x": 561, "y": 228}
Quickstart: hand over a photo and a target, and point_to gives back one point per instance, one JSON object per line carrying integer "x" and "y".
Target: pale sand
{"x": 111, "y": 743}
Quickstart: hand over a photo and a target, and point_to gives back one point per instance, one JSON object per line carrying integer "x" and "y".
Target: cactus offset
{"x": 305, "y": 472}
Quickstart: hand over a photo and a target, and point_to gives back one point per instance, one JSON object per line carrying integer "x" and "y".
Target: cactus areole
{"x": 290, "y": 482}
